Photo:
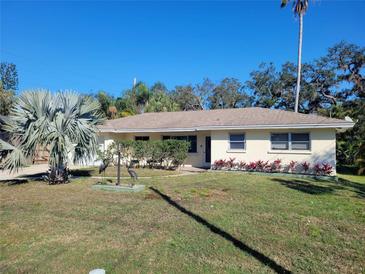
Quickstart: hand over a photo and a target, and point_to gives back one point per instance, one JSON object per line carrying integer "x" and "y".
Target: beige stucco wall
{"x": 323, "y": 146}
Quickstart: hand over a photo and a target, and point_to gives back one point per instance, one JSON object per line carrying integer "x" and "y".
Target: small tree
{"x": 178, "y": 151}
{"x": 64, "y": 122}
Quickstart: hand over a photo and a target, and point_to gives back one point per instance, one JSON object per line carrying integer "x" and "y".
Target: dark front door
{"x": 207, "y": 149}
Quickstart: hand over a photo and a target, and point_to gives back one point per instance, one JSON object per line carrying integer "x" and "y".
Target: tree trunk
{"x": 118, "y": 172}
{"x": 299, "y": 68}
{"x": 58, "y": 174}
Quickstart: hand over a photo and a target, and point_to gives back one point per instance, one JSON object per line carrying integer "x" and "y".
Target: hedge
{"x": 157, "y": 154}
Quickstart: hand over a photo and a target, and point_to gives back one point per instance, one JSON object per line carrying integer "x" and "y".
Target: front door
{"x": 207, "y": 149}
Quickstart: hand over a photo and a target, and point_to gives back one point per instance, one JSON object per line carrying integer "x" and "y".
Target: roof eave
{"x": 342, "y": 126}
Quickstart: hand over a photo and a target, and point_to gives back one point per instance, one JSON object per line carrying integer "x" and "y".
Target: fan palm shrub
{"x": 64, "y": 122}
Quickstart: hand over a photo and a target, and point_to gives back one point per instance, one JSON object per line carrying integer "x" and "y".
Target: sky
{"x": 89, "y": 46}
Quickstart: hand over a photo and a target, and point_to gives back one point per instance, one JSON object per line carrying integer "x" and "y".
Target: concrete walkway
{"x": 32, "y": 170}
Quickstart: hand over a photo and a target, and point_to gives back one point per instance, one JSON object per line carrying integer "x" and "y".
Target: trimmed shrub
{"x": 162, "y": 154}
{"x": 177, "y": 151}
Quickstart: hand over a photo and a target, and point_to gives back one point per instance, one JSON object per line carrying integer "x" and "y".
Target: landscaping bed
{"x": 312, "y": 170}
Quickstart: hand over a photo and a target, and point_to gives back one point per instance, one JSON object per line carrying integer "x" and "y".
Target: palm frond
{"x": 299, "y": 6}
{"x": 15, "y": 160}
{"x": 5, "y": 145}
{"x": 63, "y": 122}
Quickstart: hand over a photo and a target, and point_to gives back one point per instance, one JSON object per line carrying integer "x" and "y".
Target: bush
{"x": 162, "y": 154}
{"x": 252, "y": 166}
{"x": 262, "y": 166}
{"x": 276, "y": 165}
{"x": 218, "y": 164}
{"x": 323, "y": 169}
{"x": 292, "y": 166}
{"x": 230, "y": 163}
{"x": 305, "y": 166}
{"x": 177, "y": 151}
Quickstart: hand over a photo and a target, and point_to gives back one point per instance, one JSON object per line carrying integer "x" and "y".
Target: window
{"x": 290, "y": 141}
{"x": 142, "y": 138}
{"x": 280, "y": 141}
{"x": 300, "y": 141}
{"x": 191, "y": 139}
{"x": 237, "y": 141}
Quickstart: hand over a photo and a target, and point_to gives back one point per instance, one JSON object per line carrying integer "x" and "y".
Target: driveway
{"x": 24, "y": 172}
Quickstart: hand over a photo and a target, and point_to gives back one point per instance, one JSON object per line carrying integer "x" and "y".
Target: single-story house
{"x": 247, "y": 134}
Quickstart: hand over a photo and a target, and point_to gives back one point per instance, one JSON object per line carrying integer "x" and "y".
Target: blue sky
{"x": 90, "y": 45}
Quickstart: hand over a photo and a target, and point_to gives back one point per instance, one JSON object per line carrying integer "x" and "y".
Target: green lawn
{"x": 201, "y": 223}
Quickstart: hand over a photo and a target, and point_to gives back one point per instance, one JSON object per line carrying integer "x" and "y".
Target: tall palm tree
{"x": 64, "y": 122}
{"x": 299, "y": 8}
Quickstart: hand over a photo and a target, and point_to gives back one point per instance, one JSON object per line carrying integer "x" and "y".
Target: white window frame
{"x": 272, "y": 133}
{"x": 244, "y": 142}
{"x": 290, "y": 141}
{"x": 309, "y": 141}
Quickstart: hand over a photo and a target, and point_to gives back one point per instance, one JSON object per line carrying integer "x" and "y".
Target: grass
{"x": 112, "y": 172}
{"x": 201, "y": 223}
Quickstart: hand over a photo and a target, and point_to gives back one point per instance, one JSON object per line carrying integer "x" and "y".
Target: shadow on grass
{"x": 33, "y": 176}
{"x": 82, "y": 172}
{"x": 330, "y": 186}
{"x": 358, "y": 188}
{"x": 304, "y": 186}
{"x": 237, "y": 243}
{"x": 13, "y": 182}
{"x": 347, "y": 169}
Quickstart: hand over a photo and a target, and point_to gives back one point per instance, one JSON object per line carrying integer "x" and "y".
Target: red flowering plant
{"x": 219, "y": 164}
{"x": 305, "y": 166}
{"x": 262, "y": 165}
{"x": 327, "y": 168}
{"x": 252, "y": 166}
{"x": 292, "y": 165}
{"x": 230, "y": 163}
{"x": 267, "y": 166}
{"x": 276, "y": 165}
{"x": 241, "y": 165}
{"x": 323, "y": 169}
{"x": 317, "y": 169}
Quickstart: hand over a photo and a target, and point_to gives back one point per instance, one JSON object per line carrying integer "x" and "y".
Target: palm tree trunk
{"x": 299, "y": 69}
